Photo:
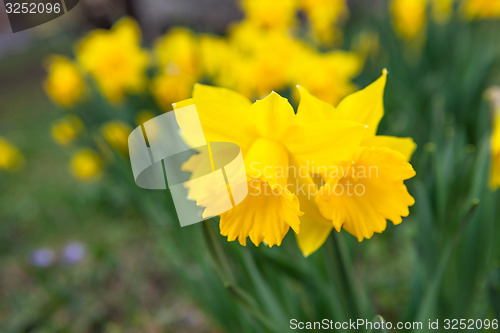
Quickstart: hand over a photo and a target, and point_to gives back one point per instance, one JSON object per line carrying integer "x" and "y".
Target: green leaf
{"x": 494, "y": 291}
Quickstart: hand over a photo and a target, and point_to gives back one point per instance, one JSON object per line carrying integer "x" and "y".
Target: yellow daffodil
{"x": 359, "y": 193}
{"x": 272, "y": 139}
{"x": 270, "y": 14}
{"x": 480, "y": 9}
{"x": 86, "y": 165}
{"x": 409, "y": 17}
{"x": 64, "y": 84}
{"x": 65, "y": 130}
{"x": 115, "y": 59}
{"x": 178, "y": 59}
{"x": 116, "y": 134}
{"x": 323, "y": 16}
{"x": 10, "y": 157}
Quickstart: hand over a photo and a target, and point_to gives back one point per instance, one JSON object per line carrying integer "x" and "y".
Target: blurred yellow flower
{"x": 254, "y": 61}
{"x": 260, "y": 60}
{"x": 493, "y": 95}
{"x": 441, "y": 10}
{"x": 326, "y": 75}
{"x": 10, "y": 157}
{"x": 178, "y": 59}
{"x": 214, "y": 55}
{"x": 65, "y": 130}
{"x": 495, "y": 153}
{"x": 366, "y": 44}
{"x": 323, "y": 16}
{"x": 359, "y": 193}
{"x": 64, "y": 84}
{"x": 168, "y": 89}
{"x": 277, "y": 14}
{"x": 478, "y": 9}
{"x": 143, "y": 116}
{"x": 177, "y": 52}
{"x": 408, "y": 17}
{"x": 86, "y": 165}
{"x": 115, "y": 59}
{"x": 272, "y": 139}
{"x": 116, "y": 134}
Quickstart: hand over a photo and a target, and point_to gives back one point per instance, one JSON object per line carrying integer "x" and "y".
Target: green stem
{"x": 224, "y": 269}
{"x": 357, "y": 290}
{"x": 339, "y": 300}
{"x": 353, "y": 292}
{"x": 217, "y": 254}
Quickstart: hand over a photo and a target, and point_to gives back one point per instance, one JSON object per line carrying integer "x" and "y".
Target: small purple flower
{"x": 42, "y": 257}
{"x": 73, "y": 253}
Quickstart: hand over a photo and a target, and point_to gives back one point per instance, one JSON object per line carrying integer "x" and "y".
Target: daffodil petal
{"x": 366, "y": 106}
{"x": 224, "y": 115}
{"x": 128, "y": 30}
{"x": 323, "y": 143}
{"x": 264, "y": 215}
{"x": 314, "y": 228}
{"x": 405, "y": 146}
{"x": 313, "y": 109}
{"x": 228, "y": 96}
{"x": 267, "y": 160}
{"x": 273, "y": 115}
{"x": 370, "y": 193}
{"x": 312, "y": 235}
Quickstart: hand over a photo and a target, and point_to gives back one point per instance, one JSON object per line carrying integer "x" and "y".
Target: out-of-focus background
{"x": 98, "y": 256}
{"x": 71, "y": 260}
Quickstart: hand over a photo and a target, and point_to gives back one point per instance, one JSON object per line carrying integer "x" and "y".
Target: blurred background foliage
{"x": 85, "y": 250}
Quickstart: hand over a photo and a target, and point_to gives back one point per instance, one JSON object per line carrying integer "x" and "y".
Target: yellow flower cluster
{"x": 410, "y": 16}
{"x": 254, "y": 61}
{"x": 323, "y": 16}
{"x": 178, "y": 62}
{"x": 10, "y": 157}
{"x": 260, "y": 54}
{"x": 480, "y": 9}
{"x": 257, "y": 56}
{"x": 321, "y": 168}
